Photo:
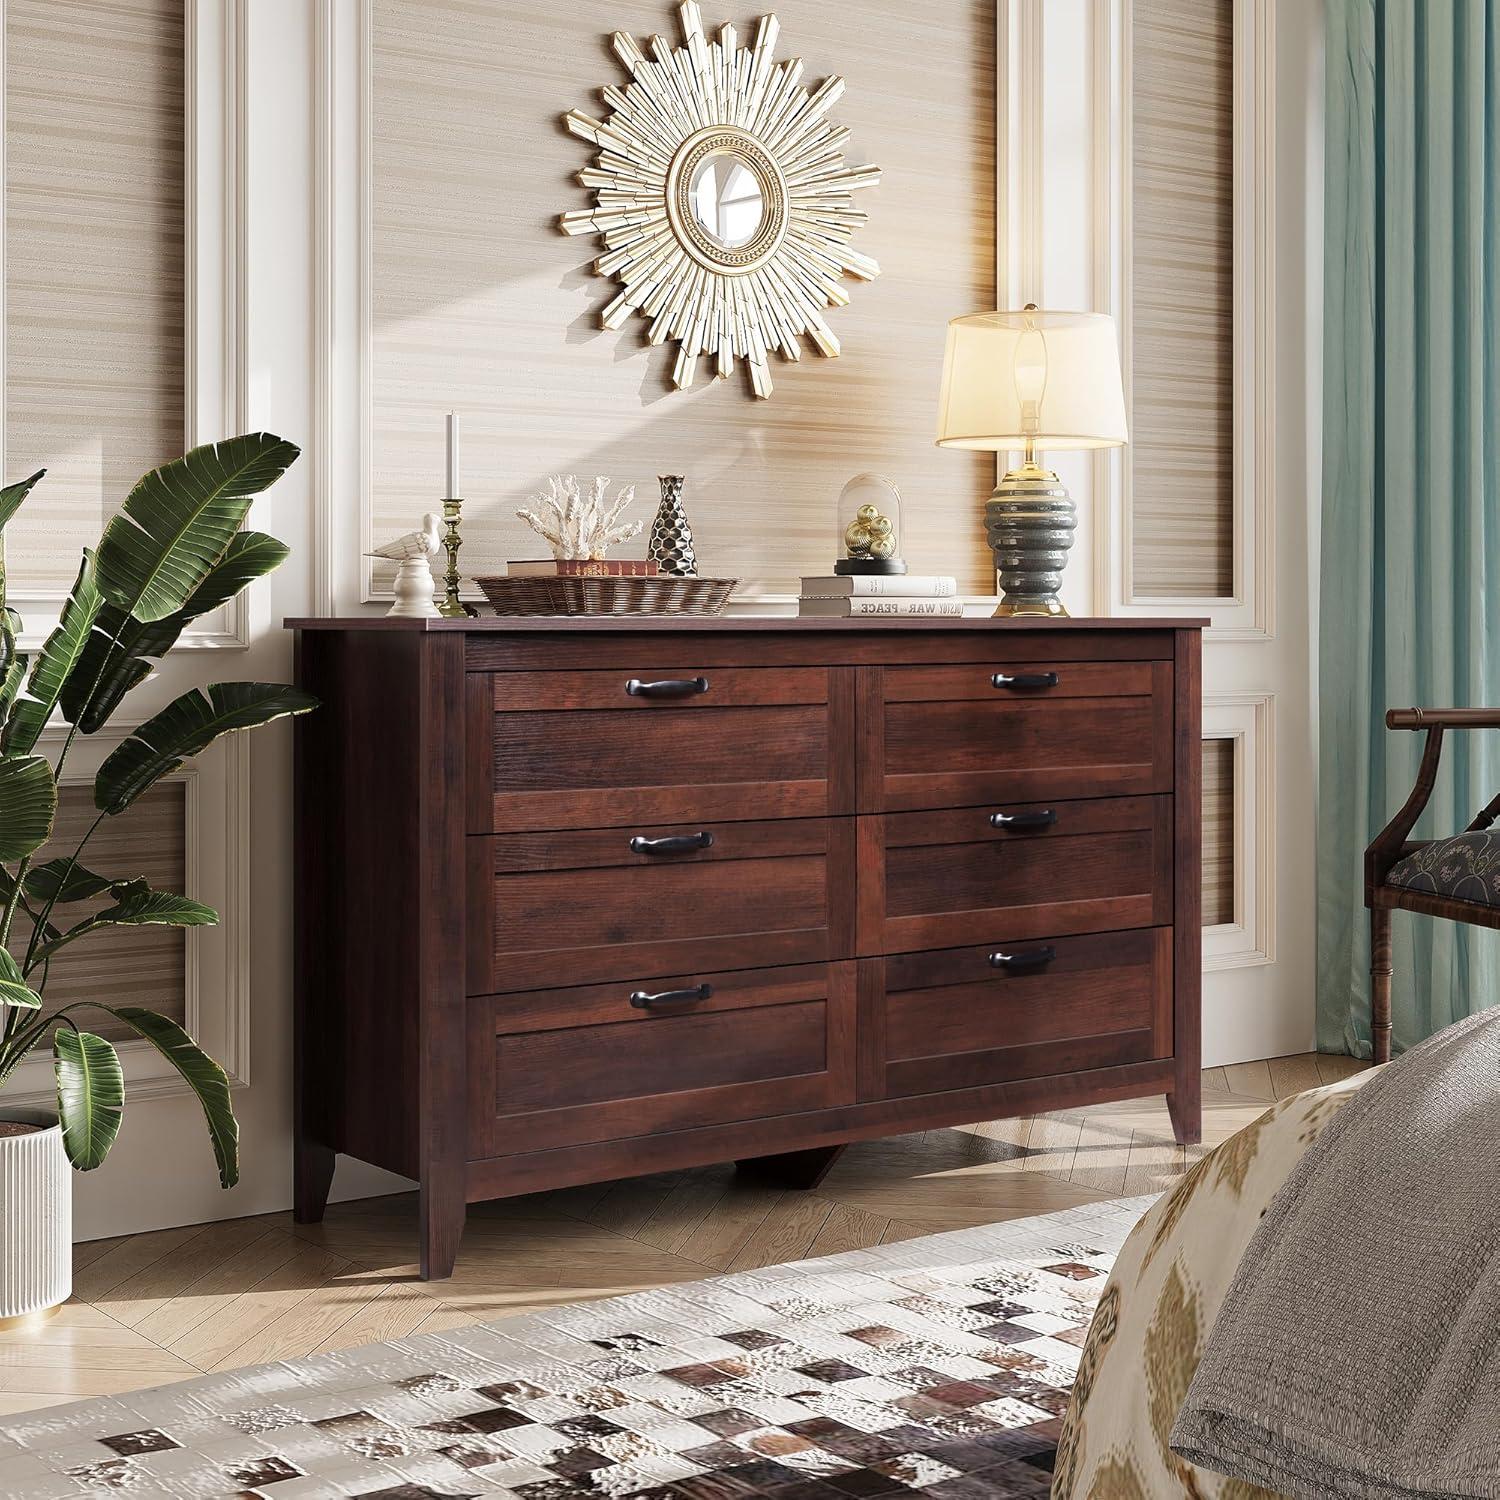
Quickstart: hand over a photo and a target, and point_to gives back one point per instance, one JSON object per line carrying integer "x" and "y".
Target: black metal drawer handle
{"x": 1023, "y": 680}
{"x": 1043, "y": 819}
{"x": 676, "y": 843}
{"x": 667, "y": 687}
{"x": 1033, "y": 959}
{"x": 643, "y": 1000}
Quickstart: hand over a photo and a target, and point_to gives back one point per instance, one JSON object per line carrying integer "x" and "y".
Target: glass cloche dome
{"x": 869, "y": 527}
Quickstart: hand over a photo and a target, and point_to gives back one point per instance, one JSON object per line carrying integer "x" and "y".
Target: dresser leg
{"x": 1185, "y": 1106}
{"x": 440, "y": 1214}
{"x": 312, "y": 1176}
{"x": 792, "y": 1169}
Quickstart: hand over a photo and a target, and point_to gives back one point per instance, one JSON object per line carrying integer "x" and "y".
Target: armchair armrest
{"x": 1387, "y": 847}
{"x": 1442, "y": 718}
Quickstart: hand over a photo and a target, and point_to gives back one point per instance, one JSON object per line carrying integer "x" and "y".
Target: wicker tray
{"x": 663, "y": 595}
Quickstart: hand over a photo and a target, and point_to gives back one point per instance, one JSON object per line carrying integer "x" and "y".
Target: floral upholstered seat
{"x": 1465, "y": 867}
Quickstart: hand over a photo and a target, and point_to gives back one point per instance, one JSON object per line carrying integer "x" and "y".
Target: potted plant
{"x": 174, "y": 551}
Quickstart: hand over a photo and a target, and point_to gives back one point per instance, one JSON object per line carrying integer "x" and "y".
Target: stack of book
{"x": 850, "y": 596}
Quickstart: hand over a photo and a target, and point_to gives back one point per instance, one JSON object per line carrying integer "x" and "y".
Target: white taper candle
{"x": 452, "y": 492}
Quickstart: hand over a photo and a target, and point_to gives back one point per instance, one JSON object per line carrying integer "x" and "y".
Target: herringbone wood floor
{"x": 153, "y": 1308}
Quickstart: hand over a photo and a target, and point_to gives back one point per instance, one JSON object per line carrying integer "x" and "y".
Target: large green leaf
{"x": 13, "y": 673}
{"x": 90, "y": 1095}
{"x": 12, "y": 496}
{"x": 119, "y": 652}
{"x": 64, "y": 879}
{"x": 201, "y": 1073}
{"x": 13, "y": 988}
{"x": 28, "y": 800}
{"x": 136, "y": 905}
{"x": 57, "y": 660}
{"x": 179, "y": 519}
{"x": 186, "y": 726}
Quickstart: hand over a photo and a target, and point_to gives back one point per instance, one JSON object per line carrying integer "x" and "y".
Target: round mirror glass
{"x": 726, "y": 199}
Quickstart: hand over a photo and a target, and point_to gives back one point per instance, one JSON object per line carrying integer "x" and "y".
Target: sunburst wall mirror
{"x": 723, "y": 199}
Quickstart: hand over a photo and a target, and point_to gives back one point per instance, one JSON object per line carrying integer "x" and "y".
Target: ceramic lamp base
{"x": 1029, "y": 521}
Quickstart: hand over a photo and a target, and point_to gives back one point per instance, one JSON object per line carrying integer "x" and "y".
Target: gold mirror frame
{"x": 692, "y": 236}
{"x": 682, "y": 105}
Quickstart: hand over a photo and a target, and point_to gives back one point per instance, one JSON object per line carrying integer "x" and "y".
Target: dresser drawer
{"x": 952, "y": 1020}
{"x": 1013, "y": 870}
{"x": 555, "y": 1068}
{"x": 581, "y": 749}
{"x": 960, "y": 735}
{"x": 574, "y": 907}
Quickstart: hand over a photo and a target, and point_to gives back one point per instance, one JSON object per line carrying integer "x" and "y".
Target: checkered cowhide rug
{"x": 938, "y": 1366}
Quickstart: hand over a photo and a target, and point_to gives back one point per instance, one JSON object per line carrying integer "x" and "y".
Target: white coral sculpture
{"x": 577, "y": 527}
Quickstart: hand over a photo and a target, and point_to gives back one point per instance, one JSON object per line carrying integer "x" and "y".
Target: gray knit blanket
{"x": 1358, "y": 1351}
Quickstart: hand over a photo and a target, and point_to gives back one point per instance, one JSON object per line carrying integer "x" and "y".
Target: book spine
{"x": 852, "y": 608}
{"x": 902, "y": 586}
{"x": 873, "y": 585}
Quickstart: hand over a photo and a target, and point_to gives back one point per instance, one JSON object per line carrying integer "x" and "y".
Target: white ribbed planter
{"x": 36, "y": 1217}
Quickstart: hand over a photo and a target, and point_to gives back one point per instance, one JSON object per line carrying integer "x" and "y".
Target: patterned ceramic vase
{"x": 36, "y": 1216}
{"x": 671, "y": 544}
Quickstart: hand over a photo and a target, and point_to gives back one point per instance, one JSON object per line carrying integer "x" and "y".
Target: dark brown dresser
{"x": 579, "y": 899}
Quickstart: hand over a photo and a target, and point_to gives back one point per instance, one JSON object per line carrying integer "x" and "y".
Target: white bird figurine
{"x": 424, "y": 543}
{"x": 414, "y": 552}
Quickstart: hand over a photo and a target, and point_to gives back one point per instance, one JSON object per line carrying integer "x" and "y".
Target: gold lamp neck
{"x": 1029, "y": 468}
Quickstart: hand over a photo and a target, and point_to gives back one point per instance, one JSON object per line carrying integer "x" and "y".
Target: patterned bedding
{"x": 1159, "y": 1305}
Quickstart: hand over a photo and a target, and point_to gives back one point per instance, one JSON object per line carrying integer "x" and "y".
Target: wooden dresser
{"x": 579, "y": 899}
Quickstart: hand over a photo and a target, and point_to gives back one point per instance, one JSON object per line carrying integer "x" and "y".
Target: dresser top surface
{"x": 730, "y": 624}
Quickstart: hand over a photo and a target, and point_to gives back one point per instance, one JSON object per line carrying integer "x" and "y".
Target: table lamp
{"x": 1028, "y": 380}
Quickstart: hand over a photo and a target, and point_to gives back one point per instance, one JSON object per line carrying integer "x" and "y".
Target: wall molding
{"x": 1249, "y": 613}
{"x": 1249, "y": 720}
{"x": 324, "y": 210}
{"x": 214, "y": 277}
{"x": 216, "y": 960}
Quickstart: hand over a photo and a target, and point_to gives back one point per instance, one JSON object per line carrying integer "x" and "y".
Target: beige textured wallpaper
{"x": 1182, "y": 438}
{"x": 94, "y": 261}
{"x": 480, "y": 304}
{"x": 1218, "y": 832}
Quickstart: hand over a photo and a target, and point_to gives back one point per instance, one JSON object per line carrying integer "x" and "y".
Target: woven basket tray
{"x": 663, "y": 595}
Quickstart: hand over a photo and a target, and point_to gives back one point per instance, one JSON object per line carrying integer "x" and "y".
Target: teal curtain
{"x": 1410, "y": 552}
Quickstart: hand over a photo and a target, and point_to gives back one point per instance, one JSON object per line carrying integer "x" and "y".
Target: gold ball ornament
{"x": 866, "y": 513}
{"x": 883, "y": 546}
{"x": 857, "y": 539}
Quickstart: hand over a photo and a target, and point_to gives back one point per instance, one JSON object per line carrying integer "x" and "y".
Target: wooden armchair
{"x": 1456, "y": 877}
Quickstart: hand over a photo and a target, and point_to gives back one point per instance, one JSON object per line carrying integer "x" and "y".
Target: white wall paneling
{"x": 213, "y": 303}
{"x": 1066, "y": 95}
{"x": 1248, "y": 721}
{"x": 1249, "y": 612}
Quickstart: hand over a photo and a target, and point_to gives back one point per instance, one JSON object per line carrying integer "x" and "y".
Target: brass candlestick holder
{"x": 452, "y": 607}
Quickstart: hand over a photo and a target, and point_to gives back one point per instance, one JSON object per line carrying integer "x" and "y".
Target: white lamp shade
{"x": 1051, "y": 378}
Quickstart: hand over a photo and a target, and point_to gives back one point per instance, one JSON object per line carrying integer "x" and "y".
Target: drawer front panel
{"x": 949, "y": 736}
{"x": 575, "y": 907}
{"x": 931, "y": 879}
{"x": 587, "y": 749}
{"x": 566, "y": 1067}
{"x": 951, "y": 1020}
